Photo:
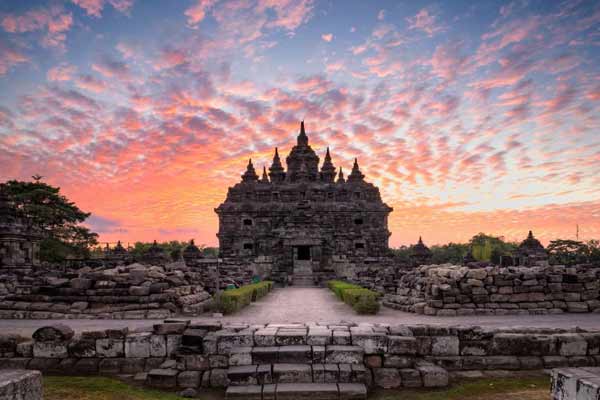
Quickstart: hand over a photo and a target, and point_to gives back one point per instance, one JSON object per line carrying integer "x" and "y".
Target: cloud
{"x": 425, "y": 21}
{"x": 197, "y": 12}
{"x": 328, "y": 37}
{"x": 10, "y": 57}
{"x": 88, "y": 82}
{"x": 381, "y": 15}
{"x": 62, "y": 72}
{"x": 53, "y": 20}
{"x": 94, "y": 7}
{"x": 111, "y": 68}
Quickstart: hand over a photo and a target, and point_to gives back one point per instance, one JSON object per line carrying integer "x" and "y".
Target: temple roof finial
{"x": 302, "y": 138}
{"x": 355, "y": 175}
{"x": 250, "y": 174}
{"x": 264, "y": 178}
{"x": 341, "y": 176}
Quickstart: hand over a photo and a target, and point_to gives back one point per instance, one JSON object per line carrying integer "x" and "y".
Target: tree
{"x": 491, "y": 248}
{"x": 448, "y": 253}
{"x": 44, "y": 207}
{"x": 568, "y": 252}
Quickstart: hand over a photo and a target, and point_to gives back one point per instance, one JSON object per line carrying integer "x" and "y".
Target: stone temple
{"x": 303, "y": 217}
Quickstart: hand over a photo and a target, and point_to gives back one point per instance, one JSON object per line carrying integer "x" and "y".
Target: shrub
{"x": 363, "y": 301}
{"x": 233, "y": 300}
{"x": 366, "y": 305}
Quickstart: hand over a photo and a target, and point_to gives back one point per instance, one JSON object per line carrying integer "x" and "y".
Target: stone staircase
{"x": 297, "y": 371}
{"x": 303, "y": 274}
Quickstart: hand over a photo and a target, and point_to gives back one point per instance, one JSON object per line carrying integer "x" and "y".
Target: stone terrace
{"x": 342, "y": 360}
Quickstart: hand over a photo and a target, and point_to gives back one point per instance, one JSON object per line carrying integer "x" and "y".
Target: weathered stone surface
{"x": 189, "y": 379}
{"x": 110, "y": 347}
{"x": 404, "y": 345}
{"x": 292, "y": 373}
{"x": 82, "y": 348}
{"x": 344, "y": 354}
{"x": 444, "y": 346}
{"x": 137, "y": 345}
{"x": 315, "y": 391}
{"x": 54, "y": 333}
{"x": 571, "y": 344}
{"x": 387, "y": 378}
{"x": 162, "y": 378}
{"x": 432, "y": 375}
{"x": 20, "y": 385}
{"x": 50, "y": 350}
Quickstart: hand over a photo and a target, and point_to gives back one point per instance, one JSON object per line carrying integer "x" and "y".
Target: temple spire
{"x": 355, "y": 175}
{"x": 327, "y": 170}
{"x": 302, "y": 138}
{"x": 341, "y": 176}
{"x": 265, "y": 178}
{"x": 250, "y": 174}
{"x": 276, "y": 172}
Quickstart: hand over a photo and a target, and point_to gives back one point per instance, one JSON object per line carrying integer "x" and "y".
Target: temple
{"x": 304, "y": 217}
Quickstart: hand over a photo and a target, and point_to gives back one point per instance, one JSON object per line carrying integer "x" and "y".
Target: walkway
{"x": 320, "y": 305}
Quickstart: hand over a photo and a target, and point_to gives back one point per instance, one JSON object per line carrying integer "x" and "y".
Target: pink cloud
{"x": 54, "y": 20}
{"x": 88, "y": 82}
{"x": 197, "y": 12}
{"x": 94, "y": 7}
{"x": 328, "y": 37}
{"x": 9, "y": 57}
{"x": 62, "y": 72}
{"x": 425, "y": 21}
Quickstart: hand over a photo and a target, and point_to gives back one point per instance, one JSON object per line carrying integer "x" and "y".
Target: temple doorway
{"x": 303, "y": 253}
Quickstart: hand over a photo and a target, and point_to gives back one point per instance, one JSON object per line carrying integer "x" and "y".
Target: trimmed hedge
{"x": 232, "y": 300}
{"x": 363, "y": 301}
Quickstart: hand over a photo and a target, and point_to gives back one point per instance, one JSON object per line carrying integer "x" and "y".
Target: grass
{"x": 525, "y": 388}
{"x": 102, "y": 388}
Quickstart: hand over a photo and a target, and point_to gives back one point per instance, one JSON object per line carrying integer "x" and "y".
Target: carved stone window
{"x": 248, "y": 246}
{"x": 358, "y": 221}
{"x": 247, "y": 222}
{"x": 359, "y": 245}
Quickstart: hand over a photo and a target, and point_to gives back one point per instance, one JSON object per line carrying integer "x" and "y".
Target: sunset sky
{"x": 479, "y": 116}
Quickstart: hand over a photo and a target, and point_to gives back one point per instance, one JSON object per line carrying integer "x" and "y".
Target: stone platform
{"x": 19, "y": 384}
{"x": 576, "y": 384}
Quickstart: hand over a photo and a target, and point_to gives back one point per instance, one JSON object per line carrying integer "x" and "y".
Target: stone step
{"x": 296, "y": 373}
{"x": 296, "y": 391}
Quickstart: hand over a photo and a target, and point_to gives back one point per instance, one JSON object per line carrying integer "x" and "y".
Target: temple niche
{"x": 303, "y": 217}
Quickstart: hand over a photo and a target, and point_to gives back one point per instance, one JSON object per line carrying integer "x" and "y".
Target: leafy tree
{"x": 402, "y": 254}
{"x": 449, "y": 253}
{"x": 594, "y": 250}
{"x": 568, "y": 252}
{"x": 491, "y": 248}
{"x": 46, "y": 208}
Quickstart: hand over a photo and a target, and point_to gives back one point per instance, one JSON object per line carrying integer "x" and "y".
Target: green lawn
{"x": 101, "y": 388}
{"x": 524, "y": 388}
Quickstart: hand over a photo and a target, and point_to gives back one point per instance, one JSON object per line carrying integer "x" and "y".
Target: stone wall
{"x": 449, "y": 290}
{"x": 20, "y": 385}
{"x": 132, "y": 291}
{"x": 179, "y": 354}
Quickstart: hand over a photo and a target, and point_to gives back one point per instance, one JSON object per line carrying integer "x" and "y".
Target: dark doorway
{"x": 303, "y": 252}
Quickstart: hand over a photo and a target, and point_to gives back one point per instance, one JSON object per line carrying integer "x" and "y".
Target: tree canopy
{"x": 58, "y": 217}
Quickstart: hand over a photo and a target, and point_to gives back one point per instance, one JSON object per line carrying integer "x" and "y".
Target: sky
{"x": 469, "y": 116}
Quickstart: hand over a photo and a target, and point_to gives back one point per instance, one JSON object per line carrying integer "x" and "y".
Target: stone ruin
{"x": 302, "y": 218}
{"x": 132, "y": 291}
{"x": 332, "y": 361}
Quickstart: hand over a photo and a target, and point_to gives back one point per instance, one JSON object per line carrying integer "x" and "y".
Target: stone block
{"x": 396, "y": 361}
{"x": 174, "y": 328}
{"x": 341, "y": 338}
{"x": 194, "y": 362}
{"x": 162, "y": 378}
{"x": 242, "y": 375}
{"x": 344, "y": 354}
{"x": 110, "y": 366}
{"x": 265, "y": 337}
{"x": 230, "y": 340}
{"x": 372, "y": 343}
{"x": 352, "y": 391}
{"x": 54, "y": 333}
{"x": 110, "y": 348}
{"x": 345, "y": 373}
{"x": 218, "y": 378}
{"x": 133, "y": 365}
{"x": 219, "y": 361}
{"x": 522, "y": 344}
{"x": 404, "y": 345}
{"x": 240, "y": 356}
{"x": 50, "y": 350}
{"x": 295, "y": 354}
{"x": 174, "y": 341}
{"x": 318, "y": 354}
{"x": 571, "y": 344}
{"x": 265, "y": 355}
{"x": 264, "y": 374}
{"x": 411, "y": 378}
{"x": 445, "y": 346}
{"x": 249, "y": 392}
{"x": 319, "y": 337}
{"x": 502, "y": 362}
{"x": 158, "y": 346}
{"x": 387, "y": 378}
{"x": 292, "y": 373}
{"x": 314, "y": 391}
{"x": 82, "y": 348}
{"x": 432, "y": 375}
{"x": 21, "y": 385}
{"x": 374, "y": 361}
{"x": 189, "y": 379}
{"x": 288, "y": 337}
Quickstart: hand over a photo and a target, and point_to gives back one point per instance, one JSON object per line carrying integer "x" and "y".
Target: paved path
{"x": 320, "y": 305}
